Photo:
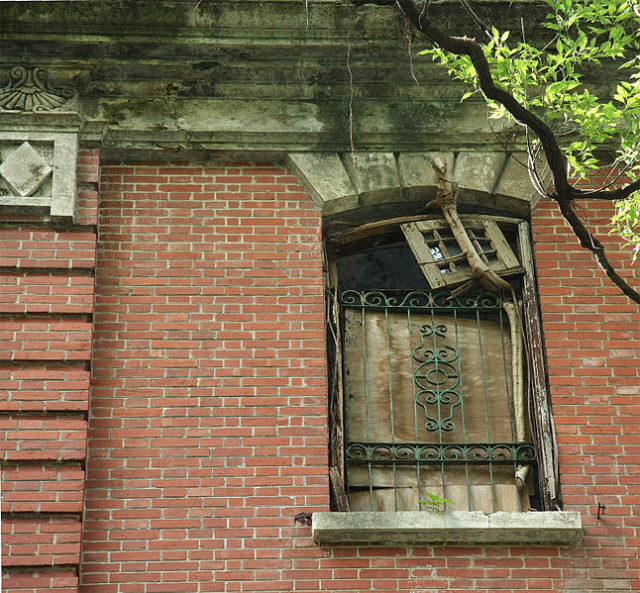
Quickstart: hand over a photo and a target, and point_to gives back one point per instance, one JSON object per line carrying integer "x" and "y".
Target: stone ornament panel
{"x": 38, "y": 170}
{"x": 29, "y": 90}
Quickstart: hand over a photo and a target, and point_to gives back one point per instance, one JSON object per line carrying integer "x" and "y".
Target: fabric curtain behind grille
{"x": 381, "y": 407}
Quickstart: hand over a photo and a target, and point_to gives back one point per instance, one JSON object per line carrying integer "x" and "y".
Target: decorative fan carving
{"x": 30, "y": 90}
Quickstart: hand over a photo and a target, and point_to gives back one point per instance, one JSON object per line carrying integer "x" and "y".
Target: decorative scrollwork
{"x": 30, "y": 90}
{"x": 357, "y": 452}
{"x": 419, "y": 300}
{"x": 454, "y": 454}
{"x": 436, "y": 378}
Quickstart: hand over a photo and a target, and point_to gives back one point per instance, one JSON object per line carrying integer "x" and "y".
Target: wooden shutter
{"x": 440, "y": 257}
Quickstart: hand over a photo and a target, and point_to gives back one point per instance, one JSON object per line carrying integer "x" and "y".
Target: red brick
{"x": 35, "y": 293}
{"x": 45, "y": 248}
{"x": 40, "y": 542}
{"x": 44, "y": 339}
{"x": 26, "y": 438}
{"x": 42, "y": 489}
{"x": 41, "y": 389}
{"x": 59, "y": 581}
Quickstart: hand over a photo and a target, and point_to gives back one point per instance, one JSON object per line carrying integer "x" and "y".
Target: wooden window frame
{"x": 540, "y": 408}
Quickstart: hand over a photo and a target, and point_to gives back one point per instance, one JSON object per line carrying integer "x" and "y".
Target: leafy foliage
{"x": 435, "y": 502}
{"x": 626, "y": 222}
{"x": 551, "y": 81}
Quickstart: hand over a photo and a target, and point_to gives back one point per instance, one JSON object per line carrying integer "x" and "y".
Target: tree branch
{"x": 591, "y": 243}
{"x": 611, "y": 194}
{"x": 462, "y": 45}
{"x": 564, "y": 193}
{"x": 447, "y": 200}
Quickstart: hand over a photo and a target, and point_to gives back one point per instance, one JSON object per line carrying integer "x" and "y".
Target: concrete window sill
{"x": 453, "y": 528}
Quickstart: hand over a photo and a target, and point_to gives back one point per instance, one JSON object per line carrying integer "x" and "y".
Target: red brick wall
{"x": 592, "y": 335}
{"x": 208, "y": 424}
{"x": 46, "y": 303}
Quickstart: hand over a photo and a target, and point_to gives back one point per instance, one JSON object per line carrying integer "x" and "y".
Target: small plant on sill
{"x": 435, "y": 502}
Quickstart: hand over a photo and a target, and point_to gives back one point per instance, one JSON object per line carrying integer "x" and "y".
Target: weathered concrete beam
{"x": 326, "y": 179}
{"x": 417, "y": 173}
{"x": 241, "y": 76}
{"x": 375, "y": 176}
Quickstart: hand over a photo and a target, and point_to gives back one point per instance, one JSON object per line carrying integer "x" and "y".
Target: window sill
{"x": 453, "y": 528}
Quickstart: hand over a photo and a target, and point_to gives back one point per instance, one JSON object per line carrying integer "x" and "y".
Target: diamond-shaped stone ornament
{"x": 24, "y": 170}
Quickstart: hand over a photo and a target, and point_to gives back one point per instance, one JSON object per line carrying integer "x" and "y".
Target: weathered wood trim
{"x": 504, "y": 252}
{"x": 337, "y": 470}
{"x": 346, "y": 239}
{"x": 415, "y": 239}
{"x": 543, "y": 427}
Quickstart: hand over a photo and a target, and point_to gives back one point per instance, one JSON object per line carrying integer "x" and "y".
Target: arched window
{"x": 437, "y": 389}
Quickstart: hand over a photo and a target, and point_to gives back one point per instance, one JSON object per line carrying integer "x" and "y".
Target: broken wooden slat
{"x": 504, "y": 252}
{"x": 421, "y": 251}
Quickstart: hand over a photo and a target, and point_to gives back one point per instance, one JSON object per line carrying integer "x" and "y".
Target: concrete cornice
{"x": 251, "y": 75}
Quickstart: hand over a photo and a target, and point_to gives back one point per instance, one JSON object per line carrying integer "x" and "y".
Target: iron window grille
{"x": 431, "y": 393}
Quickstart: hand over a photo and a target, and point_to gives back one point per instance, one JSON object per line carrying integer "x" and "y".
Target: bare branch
{"x": 591, "y": 243}
{"x": 564, "y": 193}
{"x": 610, "y": 194}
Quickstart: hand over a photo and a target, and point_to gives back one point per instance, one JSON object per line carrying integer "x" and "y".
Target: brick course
{"x": 46, "y": 304}
{"x": 43, "y": 489}
{"x": 44, "y": 388}
{"x": 31, "y": 293}
{"x": 40, "y": 542}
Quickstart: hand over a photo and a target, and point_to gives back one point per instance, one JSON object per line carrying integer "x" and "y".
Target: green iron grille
{"x": 442, "y": 424}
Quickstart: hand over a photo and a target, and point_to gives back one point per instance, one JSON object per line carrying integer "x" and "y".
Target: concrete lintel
{"x": 33, "y": 122}
{"x": 326, "y": 179}
{"x": 344, "y": 182}
{"x": 455, "y": 528}
{"x": 375, "y": 175}
{"x": 515, "y": 179}
{"x": 417, "y": 174}
{"x": 479, "y": 171}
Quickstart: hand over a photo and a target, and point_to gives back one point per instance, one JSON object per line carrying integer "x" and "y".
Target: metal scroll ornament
{"x": 419, "y": 300}
{"x": 30, "y": 90}
{"x": 436, "y": 378}
{"x": 436, "y": 453}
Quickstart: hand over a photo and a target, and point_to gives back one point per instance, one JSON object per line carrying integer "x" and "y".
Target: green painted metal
{"x": 437, "y": 378}
{"x": 419, "y": 300}
{"x": 430, "y": 454}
